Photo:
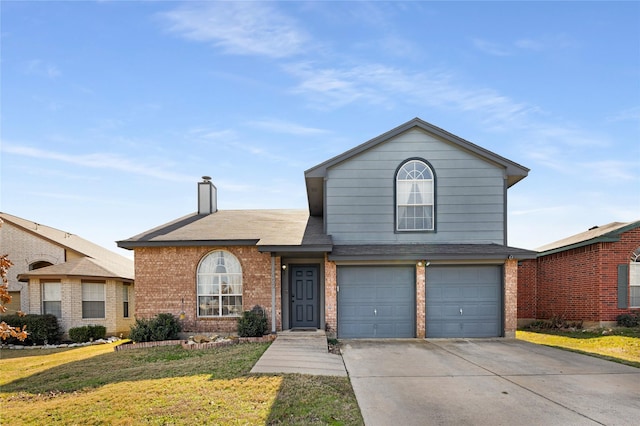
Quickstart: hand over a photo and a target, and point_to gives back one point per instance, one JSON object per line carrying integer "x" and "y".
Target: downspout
{"x": 273, "y": 293}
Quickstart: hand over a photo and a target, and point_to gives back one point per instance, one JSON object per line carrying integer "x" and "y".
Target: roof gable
{"x": 315, "y": 176}
{"x": 606, "y": 233}
{"x": 115, "y": 263}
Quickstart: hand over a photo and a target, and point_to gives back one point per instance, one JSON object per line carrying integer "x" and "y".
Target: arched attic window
{"x": 634, "y": 279}
{"x": 415, "y": 197}
{"x": 39, "y": 264}
{"x": 219, "y": 285}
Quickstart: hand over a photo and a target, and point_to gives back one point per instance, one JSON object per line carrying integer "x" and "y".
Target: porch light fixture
{"x": 284, "y": 267}
{"x": 423, "y": 263}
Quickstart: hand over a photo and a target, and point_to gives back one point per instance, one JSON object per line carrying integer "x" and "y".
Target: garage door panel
{"x": 376, "y": 301}
{"x": 464, "y": 301}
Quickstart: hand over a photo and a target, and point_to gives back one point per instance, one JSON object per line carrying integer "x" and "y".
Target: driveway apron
{"x": 487, "y": 382}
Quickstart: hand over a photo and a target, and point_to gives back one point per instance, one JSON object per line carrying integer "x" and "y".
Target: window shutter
{"x": 623, "y": 285}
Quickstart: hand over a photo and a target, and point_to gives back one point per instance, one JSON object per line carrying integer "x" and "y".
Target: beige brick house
{"x": 60, "y": 273}
{"x": 404, "y": 236}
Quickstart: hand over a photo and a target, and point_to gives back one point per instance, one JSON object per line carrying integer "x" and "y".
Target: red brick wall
{"x": 330, "y": 296}
{"x": 577, "y": 284}
{"x": 166, "y": 276}
{"x": 527, "y": 276}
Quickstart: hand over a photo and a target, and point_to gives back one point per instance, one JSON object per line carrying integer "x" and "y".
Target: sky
{"x": 111, "y": 111}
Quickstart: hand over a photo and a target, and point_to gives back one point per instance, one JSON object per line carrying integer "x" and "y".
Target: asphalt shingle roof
{"x": 111, "y": 264}
{"x": 249, "y": 227}
{"x": 593, "y": 235}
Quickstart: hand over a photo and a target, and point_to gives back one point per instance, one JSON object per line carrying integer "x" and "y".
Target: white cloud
{"x": 529, "y": 44}
{"x": 42, "y": 68}
{"x": 280, "y": 126}
{"x": 99, "y": 161}
{"x": 243, "y": 28}
{"x": 630, "y": 114}
{"x": 613, "y": 170}
{"x": 382, "y": 85}
{"x": 491, "y": 48}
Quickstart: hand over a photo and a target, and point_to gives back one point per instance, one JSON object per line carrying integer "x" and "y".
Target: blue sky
{"x": 112, "y": 111}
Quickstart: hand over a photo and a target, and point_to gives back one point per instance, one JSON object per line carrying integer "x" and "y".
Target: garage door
{"x": 464, "y": 301}
{"x": 376, "y": 301}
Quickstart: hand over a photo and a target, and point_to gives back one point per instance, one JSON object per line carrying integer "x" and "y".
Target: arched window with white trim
{"x": 219, "y": 285}
{"x": 634, "y": 279}
{"x": 415, "y": 197}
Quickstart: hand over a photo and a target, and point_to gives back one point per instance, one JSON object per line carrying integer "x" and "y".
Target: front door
{"x": 304, "y": 296}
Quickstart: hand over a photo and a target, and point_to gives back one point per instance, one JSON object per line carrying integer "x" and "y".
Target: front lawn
{"x": 622, "y": 345}
{"x": 165, "y": 385}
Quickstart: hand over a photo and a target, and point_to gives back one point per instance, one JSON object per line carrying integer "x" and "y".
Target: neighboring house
{"x": 60, "y": 273}
{"x": 405, "y": 236}
{"x": 593, "y": 277}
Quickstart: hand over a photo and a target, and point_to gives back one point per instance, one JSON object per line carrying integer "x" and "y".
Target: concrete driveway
{"x": 487, "y": 382}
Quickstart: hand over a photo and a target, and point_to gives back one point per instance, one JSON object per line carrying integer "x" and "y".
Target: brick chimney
{"x": 207, "y": 196}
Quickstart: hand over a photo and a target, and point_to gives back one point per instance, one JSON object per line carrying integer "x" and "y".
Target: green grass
{"x": 622, "y": 345}
{"x": 165, "y": 385}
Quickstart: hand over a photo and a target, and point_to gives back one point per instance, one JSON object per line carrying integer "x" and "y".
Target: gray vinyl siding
{"x": 360, "y": 202}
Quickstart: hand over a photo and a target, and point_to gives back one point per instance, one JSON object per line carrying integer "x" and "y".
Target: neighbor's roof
{"x": 315, "y": 176}
{"x": 114, "y": 264}
{"x": 264, "y": 228}
{"x": 598, "y": 234}
{"x": 82, "y": 267}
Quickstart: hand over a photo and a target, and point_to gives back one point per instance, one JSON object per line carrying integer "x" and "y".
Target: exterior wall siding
{"x": 360, "y": 194}
{"x": 166, "y": 283}
{"x": 25, "y": 248}
{"x": 578, "y": 284}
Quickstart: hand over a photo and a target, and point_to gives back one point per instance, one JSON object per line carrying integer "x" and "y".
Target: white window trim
{"x": 220, "y": 294}
{"x": 43, "y": 293}
{"x": 104, "y": 300}
{"x": 634, "y": 277}
{"x": 431, "y": 183}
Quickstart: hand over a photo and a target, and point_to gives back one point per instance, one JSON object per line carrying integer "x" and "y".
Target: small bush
{"x": 161, "y": 327}
{"x": 41, "y": 328}
{"x": 252, "y": 324}
{"x": 87, "y": 333}
{"x": 629, "y": 320}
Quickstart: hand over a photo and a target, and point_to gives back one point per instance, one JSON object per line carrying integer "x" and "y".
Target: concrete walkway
{"x": 303, "y": 352}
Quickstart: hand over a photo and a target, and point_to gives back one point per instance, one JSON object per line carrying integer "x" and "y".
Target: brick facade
{"x": 510, "y": 297}
{"x": 579, "y": 284}
{"x": 421, "y": 300}
{"x": 166, "y": 282}
{"x": 71, "y": 301}
{"x": 24, "y": 249}
{"x": 330, "y": 296}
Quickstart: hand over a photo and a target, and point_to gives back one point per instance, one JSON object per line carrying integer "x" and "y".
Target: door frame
{"x": 317, "y": 294}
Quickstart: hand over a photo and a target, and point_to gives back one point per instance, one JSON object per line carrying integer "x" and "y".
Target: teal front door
{"x": 305, "y": 296}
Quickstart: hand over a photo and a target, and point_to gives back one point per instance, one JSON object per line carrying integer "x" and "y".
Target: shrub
{"x": 161, "y": 327}
{"x": 252, "y": 324}
{"x": 41, "y": 328}
{"x": 628, "y": 320}
{"x": 87, "y": 333}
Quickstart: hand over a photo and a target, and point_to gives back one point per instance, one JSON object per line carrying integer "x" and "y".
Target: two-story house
{"x": 405, "y": 236}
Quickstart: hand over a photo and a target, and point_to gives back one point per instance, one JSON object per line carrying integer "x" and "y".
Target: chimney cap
{"x": 206, "y": 178}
